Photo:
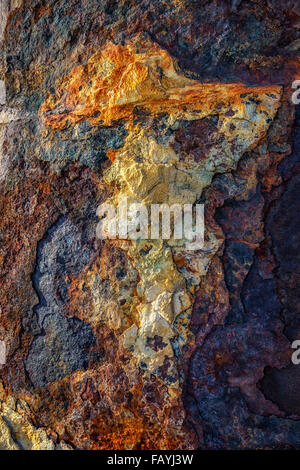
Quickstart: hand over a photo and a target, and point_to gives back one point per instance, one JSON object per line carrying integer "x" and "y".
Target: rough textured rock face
{"x": 144, "y": 344}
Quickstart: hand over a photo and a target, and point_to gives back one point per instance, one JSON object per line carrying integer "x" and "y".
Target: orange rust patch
{"x": 131, "y": 430}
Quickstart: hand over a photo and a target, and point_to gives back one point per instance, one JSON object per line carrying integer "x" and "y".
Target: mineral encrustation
{"x": 143, "y": 343}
